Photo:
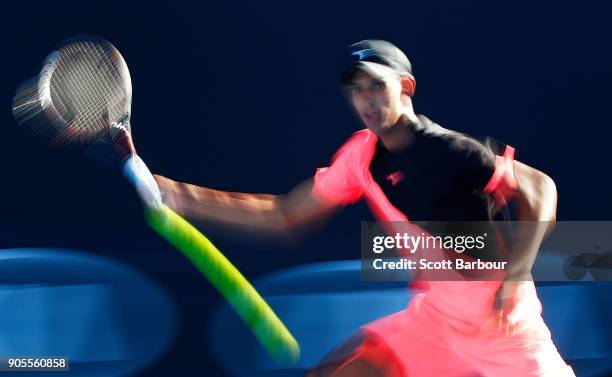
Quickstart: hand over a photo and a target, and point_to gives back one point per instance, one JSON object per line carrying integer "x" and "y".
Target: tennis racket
{"x": 83, "y": 96}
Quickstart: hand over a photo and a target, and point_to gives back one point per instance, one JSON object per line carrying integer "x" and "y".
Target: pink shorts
{"x": 445, "y": 333}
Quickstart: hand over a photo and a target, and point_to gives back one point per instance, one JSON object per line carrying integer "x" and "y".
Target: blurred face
{"x": 376, "y": 101}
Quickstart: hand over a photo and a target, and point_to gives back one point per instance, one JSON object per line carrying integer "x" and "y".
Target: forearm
{"x": 528, "y": 239}
{"x": 536, "y": 206}
{"x": 260, "y": 212}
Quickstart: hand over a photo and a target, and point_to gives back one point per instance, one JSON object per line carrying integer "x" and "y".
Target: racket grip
{"x": 137, "y": 173}
{"x": 241, "y": 295}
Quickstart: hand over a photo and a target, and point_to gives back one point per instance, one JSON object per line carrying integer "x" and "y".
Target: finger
{"x": 513, "y": 328}
{"x": 498, "y": 303}
{"x": 507, "y": 327}
{"x": 503, "y": 324}
{"x": 510, "y": 326}
{"x": 499, "y": 319}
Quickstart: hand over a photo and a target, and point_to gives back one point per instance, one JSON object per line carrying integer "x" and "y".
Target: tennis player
{"x": 409, "y": 168}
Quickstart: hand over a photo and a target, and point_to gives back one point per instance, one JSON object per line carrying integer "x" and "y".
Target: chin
{"x": 380, "y": 130}
{"x": 375, "y": 129}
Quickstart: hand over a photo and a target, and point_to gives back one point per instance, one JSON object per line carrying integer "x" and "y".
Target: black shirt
{"x": 438, "y": 181}
{"x": 438, "y": 177}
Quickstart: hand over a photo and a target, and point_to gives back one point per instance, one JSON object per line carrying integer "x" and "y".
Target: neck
{"x": 401, "y": 135}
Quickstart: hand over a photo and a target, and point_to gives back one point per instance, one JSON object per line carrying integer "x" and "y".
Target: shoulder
{"x": 453, "y": 142}
{"x": 361, "y": 138}
{"x": 360, "y": 143}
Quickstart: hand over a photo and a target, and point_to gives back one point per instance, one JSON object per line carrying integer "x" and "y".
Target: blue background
{"x": 244, "y": 96}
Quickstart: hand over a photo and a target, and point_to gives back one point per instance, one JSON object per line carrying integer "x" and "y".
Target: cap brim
{"x": 375, "y": 70}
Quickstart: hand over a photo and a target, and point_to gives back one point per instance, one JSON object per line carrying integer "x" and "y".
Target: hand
{"x": 118, "y": 152}
{"x": 513, "y": 302}
{"x": 112, "y": 149}
{"x": 135, "y": 170}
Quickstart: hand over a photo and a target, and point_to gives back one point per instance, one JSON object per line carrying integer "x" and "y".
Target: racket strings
{"x": 87, "y": 89}
{"x": 70, "y": 98}
{"x": 72, "y": 83}
{"x": 82, "y": 88}
{"x": 86, "y": 86}
{"x": 105, "y": 81}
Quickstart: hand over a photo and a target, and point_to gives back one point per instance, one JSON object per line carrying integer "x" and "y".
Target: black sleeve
{"x": 474, "y": 161}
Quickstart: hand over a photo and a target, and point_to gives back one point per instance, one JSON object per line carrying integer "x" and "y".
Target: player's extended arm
{"x": 536, "y": 209}
{"x": 272, "y": 214}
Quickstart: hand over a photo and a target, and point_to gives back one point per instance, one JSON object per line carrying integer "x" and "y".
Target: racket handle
{"x": 241, "y": 295}
{"x": 137, "y": 173}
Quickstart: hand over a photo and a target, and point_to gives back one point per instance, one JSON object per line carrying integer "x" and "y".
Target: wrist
{"x": 518, "y": 273}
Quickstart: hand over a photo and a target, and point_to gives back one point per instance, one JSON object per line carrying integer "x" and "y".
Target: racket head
{"x": 84, "y": 86}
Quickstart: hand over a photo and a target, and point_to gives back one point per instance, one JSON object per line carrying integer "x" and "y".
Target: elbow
{"x": 285, "y": 226}
{"x": 537, "y": 199}
{"x": 541, "y": 199}
{"x": 549, "y": 197}
{"x": 297, "y": 220}
{"x": 289, "y": 234}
